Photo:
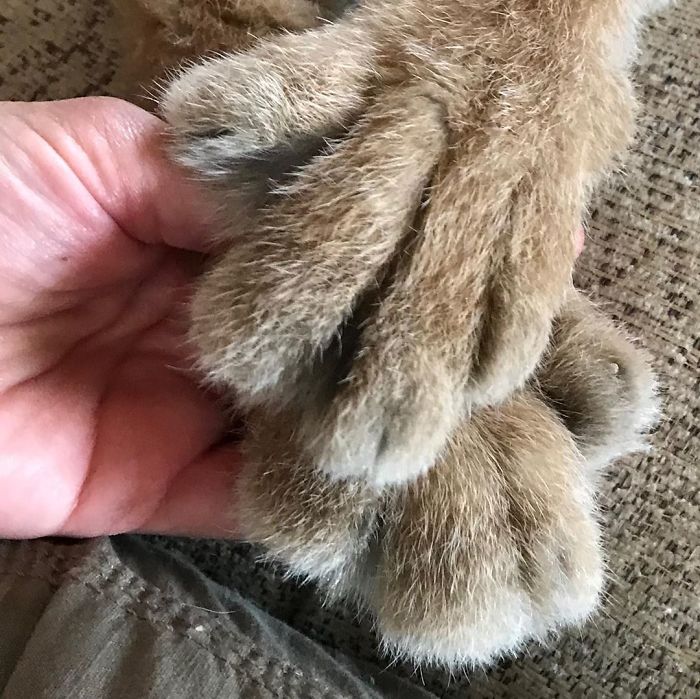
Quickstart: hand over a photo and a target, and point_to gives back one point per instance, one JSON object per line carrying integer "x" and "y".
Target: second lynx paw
{"x": 495, "y": 546}
{"x": 498, "y": 543}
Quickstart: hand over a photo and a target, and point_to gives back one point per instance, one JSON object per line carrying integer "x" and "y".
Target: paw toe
{"x": 492, "y": 548}
{"x": 320, "y": 529}
{"x": 600, "y": 383}
{"x": 386, "y": 428}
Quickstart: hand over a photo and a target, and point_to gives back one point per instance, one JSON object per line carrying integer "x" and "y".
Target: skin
{"x": 102, "y": 429}
{"x": 103, "y": 426}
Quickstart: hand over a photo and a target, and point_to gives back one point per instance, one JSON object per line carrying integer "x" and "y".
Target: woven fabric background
{"x": 642, "y": 262}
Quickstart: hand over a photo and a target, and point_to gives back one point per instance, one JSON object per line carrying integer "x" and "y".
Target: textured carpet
{"x": 643, "y": 263}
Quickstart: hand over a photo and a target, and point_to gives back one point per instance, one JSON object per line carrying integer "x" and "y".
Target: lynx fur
{"x": 391, "y": 299}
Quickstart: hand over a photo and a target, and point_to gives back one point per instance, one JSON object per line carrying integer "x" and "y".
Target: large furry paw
{"x": 498, "y": 544}
{"x": 438, "y": 224}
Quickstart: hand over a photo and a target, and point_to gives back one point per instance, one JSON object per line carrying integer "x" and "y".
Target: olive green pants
{"x": 121, "y": 618}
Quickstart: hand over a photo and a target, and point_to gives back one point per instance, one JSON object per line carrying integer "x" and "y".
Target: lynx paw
{"x": 468, "y": 244}
{"x": 496, "y": 545}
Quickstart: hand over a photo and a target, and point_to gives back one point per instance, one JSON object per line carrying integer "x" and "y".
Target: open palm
{"x": 102, "y": 427}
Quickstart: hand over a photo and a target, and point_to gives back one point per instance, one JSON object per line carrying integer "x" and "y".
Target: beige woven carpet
{"x": 643, "y": 262}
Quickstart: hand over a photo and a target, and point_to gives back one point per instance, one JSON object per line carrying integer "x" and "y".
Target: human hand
{"x": 102, "y": 428}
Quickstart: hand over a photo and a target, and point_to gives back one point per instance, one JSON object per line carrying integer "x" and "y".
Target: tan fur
{"x": 499, "y": 542}
{"x": 382, "y": 299}
{"x": 519, "y": 110}
{"x": 601, "y": 384}
{"x": 160, "y": 35}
